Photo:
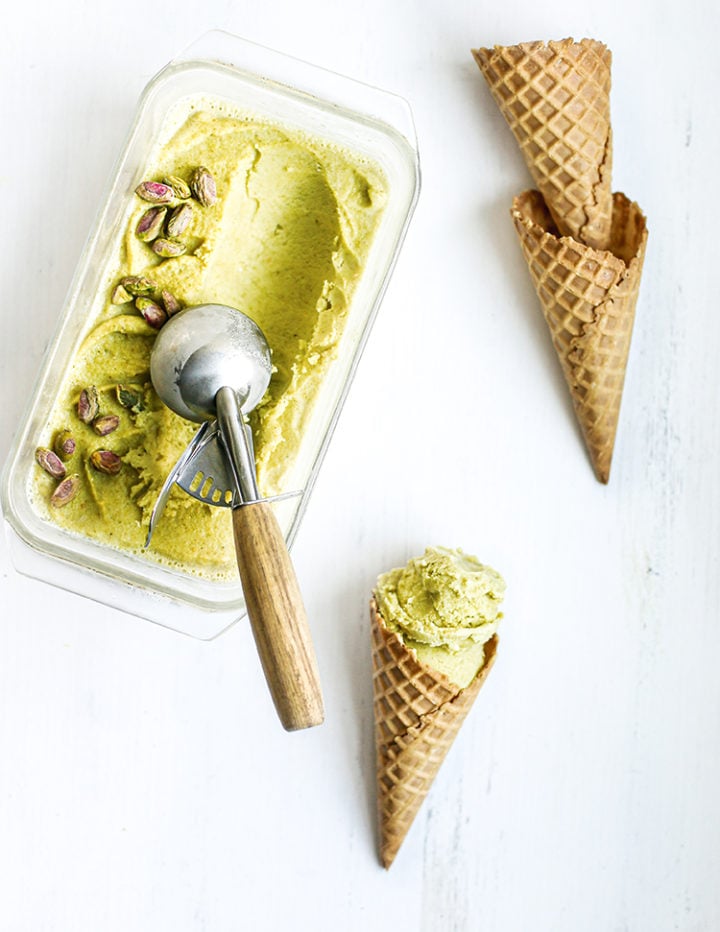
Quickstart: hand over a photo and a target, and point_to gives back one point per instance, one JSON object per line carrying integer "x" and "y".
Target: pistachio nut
{"x": 106, "y": 424}
{"x": 138, "y": 285}
{"x": 106, "y": 461}
{"x": 150, "y": 224}
{"x": 120, "y": 295}
{"x": 50, "y": 462}
{"x": 170, "y": 302}
{"x": 168, "y": 248}
{"x": 64, "y": 444}
{"x": 179, "y": 220}
{"x": 152, "y": 312}
{"x": 155, "y": 191}
{"x": 181, "y": 189}
{"x": 202, "y": 185}
{"x": 129, "y": 398}
{"x": 88, "y": 406}
{"x": 65, "y": 491}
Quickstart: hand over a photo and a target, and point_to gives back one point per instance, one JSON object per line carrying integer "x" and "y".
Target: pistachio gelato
{"x": 445, "y": 606}
{"x": 233, "y": 210}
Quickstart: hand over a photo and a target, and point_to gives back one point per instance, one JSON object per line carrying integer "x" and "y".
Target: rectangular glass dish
{"x": 236, "y": 83}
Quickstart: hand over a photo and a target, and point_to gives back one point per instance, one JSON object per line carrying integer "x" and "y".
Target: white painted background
{"x": 145, "y": 785}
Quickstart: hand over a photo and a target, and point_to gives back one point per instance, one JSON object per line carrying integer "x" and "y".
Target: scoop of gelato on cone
{"x": 434, "y": 639}
{"x": 588, "y": 298}
{"x": 555, "y": 96}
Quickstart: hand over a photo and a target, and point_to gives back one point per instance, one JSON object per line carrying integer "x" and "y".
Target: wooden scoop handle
{"x": 277, "y": 616}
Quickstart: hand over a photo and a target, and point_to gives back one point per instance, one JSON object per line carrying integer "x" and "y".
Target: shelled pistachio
{"x": 170, "y": 302}
{"x": 203, "y": 187}
{"x": 181, "y": 189}
{"x": 106, "y": 461}
{"x": 179, "y": 220}
{"x": 120, "y": 295}
{"x": 150, "y": 225}
{"x": 152, "y": 312}
{"x": 50, "y": 462}
{"x": 129, "y": 398}
{"x": 64, "y": 444}
{"x": 65, "y": 492}
{"x": 155, "y": 191}
{"x": 88, "y": 406}
{"x": 137, "y": 285}
{"x": 168, "y": 248}
{"x": 106, "y": 424}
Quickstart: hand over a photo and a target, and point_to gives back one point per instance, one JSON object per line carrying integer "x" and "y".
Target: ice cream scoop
{"x": 212, "y": 362}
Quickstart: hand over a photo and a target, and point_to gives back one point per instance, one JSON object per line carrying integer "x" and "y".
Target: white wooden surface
{"x": 144, "y": 781}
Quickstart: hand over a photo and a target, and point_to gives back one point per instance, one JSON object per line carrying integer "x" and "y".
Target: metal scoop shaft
{"x": 210, "y": 362}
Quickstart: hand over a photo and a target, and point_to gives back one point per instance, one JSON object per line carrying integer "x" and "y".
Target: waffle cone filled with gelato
{"x": 433, "y": 625}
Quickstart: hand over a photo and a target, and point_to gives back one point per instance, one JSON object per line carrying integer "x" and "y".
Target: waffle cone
{"x": 555, "y": 97}
{"x": 418, "y": 713}
{"x": 588, "y": 297}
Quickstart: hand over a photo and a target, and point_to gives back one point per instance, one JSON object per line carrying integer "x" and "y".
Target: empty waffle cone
{"x": 418, "y": 713}
{"x": 555, "y": 97}
{"x": 588, "y": 297}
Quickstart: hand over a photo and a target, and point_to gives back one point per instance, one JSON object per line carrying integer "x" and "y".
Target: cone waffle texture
{"x": 418, "y": 713}
{"x": 588, "y": 297}
{"x": 555, "y": 97}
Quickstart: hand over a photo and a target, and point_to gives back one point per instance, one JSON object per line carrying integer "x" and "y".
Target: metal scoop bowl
{"x": 212, "y": 363}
